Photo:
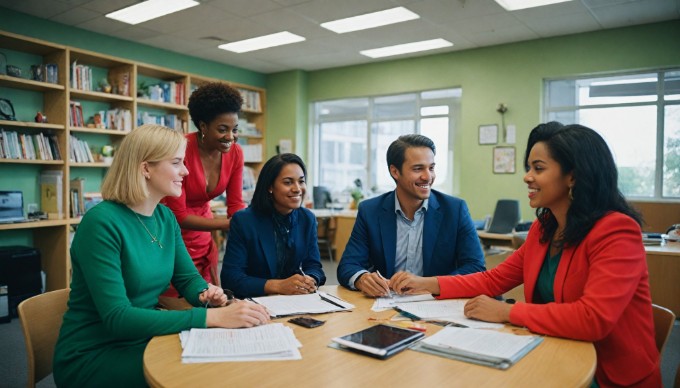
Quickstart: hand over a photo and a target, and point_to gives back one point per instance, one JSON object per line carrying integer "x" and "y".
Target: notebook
{"x": 11, "y": 207}
{"x": 380, "y": 341}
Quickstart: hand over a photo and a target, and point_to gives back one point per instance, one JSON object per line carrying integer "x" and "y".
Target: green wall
{"x": 20, "y": 23}
{"x": 512, "y": 74}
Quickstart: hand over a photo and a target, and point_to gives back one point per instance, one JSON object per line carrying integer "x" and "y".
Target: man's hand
{"x": 373, "y": 285}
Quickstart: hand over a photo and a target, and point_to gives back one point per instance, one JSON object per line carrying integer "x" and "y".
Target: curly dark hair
{"x": 213, "y": 99}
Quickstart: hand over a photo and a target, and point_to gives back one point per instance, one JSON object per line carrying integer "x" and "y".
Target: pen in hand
{"x": 305, "y": 275}
{"x": 389, "y": 292}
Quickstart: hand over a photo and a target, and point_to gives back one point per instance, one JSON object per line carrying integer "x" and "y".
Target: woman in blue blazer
{"x": 272, "y": 247}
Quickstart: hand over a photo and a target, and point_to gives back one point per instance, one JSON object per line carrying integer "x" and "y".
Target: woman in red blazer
{"x": 583, "y": 265}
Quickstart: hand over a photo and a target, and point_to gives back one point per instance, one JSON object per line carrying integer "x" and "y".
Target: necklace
{"x": 154, "y": 239}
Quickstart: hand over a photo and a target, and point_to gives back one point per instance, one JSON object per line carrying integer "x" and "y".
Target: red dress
{"x": 601, "y": 295}
{"x": 195, "y": 200}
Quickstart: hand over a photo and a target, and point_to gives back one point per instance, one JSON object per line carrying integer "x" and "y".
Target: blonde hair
{"x": 124, "y": 181}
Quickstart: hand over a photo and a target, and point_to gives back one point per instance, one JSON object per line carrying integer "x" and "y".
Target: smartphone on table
{"x": 306, "y": 322}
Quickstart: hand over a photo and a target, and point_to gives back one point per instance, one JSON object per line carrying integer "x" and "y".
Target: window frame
{"x": 660, "y": 103}
{"x": 453, "y": 103}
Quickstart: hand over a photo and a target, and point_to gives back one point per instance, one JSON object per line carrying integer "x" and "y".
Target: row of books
{"x": 77, "y": 191}
{"x": 247, "y": 128}
{"x": 14, "y": 145}
{"x": 169, "y": 120}
{"x": 81, "y": 77}
{"x": 172, "y": 92}
{"x": 251, "y": 100}
{"x": 80, "y": 151}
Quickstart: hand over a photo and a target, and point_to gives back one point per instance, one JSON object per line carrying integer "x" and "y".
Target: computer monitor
{"x": 505, "y": 216}
{"x": 322, "y": 197}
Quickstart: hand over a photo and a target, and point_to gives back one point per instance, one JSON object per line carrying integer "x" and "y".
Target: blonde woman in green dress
{"x": 125, "y": 253}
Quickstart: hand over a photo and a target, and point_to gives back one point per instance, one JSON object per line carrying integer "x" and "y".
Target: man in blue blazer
{"x": 413, "y": 228}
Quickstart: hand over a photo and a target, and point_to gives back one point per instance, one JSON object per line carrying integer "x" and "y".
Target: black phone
{"x": 306, "y": 322}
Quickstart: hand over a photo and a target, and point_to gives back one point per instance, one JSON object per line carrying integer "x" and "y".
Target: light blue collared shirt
{"x": 409, "y": 254}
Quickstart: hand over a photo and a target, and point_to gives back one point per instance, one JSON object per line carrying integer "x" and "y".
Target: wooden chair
{"x": 41, "y": 318}
{"x": 663, "y": 325}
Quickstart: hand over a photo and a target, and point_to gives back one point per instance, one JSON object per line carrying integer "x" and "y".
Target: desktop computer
{"x": 20, "y": 272}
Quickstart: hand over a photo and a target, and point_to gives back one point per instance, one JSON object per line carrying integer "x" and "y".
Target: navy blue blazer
{"x": 250, "y": 258}
{"x": 450, "y": 242}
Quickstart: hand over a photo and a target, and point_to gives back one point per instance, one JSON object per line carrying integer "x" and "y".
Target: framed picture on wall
{"x": 488, "y": 134}
{"x": 503, "y": 160}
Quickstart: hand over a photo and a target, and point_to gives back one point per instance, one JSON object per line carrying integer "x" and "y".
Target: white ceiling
{"x": 467, "y": 24}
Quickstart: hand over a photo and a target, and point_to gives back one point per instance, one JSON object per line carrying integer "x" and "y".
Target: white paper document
{"x": 484, "y": 347}
{"x": 316, "y": 303}
{"x": 450, "y": 310}
{"x": 387, "y": 303}
{"x": 262, "y": 343}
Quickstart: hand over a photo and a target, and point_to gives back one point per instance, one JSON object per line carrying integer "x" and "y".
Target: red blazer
{"x": 601, "y": 296}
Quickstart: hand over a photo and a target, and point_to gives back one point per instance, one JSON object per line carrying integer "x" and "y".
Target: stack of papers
{"x": 262, "y": 343}
{"x": 386, "y": 303}
{"x": 316, "y": 303}
{"x": 450, "y": 310}
{"x": 482, "y": 347}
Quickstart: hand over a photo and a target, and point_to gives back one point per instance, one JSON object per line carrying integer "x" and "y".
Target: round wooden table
{"x": 555, "y": 362}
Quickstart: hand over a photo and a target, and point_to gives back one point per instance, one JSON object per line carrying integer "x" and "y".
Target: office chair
{"x": 41, "y": 318}
{"x": 663, "y": 325}
{"x": 505, "y": 216}
{"x": 325, "y": 236}
{"x": 321, "y": 197}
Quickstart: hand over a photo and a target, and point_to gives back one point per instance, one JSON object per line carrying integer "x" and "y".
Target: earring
{"x": 571, "y": 196}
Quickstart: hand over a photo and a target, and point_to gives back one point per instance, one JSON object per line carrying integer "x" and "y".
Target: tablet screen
{"x": 381, "y": 337}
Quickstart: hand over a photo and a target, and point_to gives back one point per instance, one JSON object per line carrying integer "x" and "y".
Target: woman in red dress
{"x": 215, "y": 164}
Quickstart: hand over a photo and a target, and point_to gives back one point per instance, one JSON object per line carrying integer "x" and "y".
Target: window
{"x": 350, "y": 137}
{"x": 639, "y": 117}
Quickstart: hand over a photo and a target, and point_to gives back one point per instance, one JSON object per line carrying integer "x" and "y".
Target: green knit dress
{"x": 118, "y": 274}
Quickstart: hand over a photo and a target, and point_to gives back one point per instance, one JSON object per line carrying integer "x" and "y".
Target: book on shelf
{"x": 77, "y": 189}
{"x": 51, "y": 189}
{"x": 14, "y": 145}
{"x": 119, "y": 78}
{"x": 479, "y": 346}
{"x": 90, "y": 200}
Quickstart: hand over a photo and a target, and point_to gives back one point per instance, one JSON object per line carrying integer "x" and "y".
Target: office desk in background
{"x": 554, "y": 363}
{"x": 343, "y": 222}
{"x": 663, "y": 263}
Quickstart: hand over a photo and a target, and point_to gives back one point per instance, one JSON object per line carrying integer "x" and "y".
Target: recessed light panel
{"x": 513, "y": 5}
{"x": 406, "y": 48}
{"x": 262, "y": 42}
{"x": 370, "y": 20}
{"x": 150, "y": 9}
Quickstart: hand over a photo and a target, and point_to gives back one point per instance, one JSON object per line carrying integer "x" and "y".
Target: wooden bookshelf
{"x": 52, "y": 237}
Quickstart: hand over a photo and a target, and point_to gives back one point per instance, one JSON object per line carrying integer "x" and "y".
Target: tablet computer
{"x": 379, "y": 341}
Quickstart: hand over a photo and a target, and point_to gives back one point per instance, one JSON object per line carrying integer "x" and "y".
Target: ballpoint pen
{"x": 408, "y": 315}
{"x": 304, "y": 274}
{"x": 389, "y": 292}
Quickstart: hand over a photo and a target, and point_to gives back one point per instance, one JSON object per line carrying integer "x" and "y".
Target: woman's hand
{"x": 407, "y": 283}
{"x": 487, "y": 309}
{"x": 214, "y": 296}
{"x": 294, "y": 285}
{"x": 238, "y": 314}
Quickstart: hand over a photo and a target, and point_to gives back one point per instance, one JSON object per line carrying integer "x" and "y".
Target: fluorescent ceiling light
{"x": 150, "y": 9}
{"x": 406, "y": 48}
{"x": 370, "y": 20}
{"x": 262, "y": 42}
{"x": 513, "y": 5}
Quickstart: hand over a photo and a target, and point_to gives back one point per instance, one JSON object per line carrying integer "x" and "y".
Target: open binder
{"x": 478, "y": 346}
